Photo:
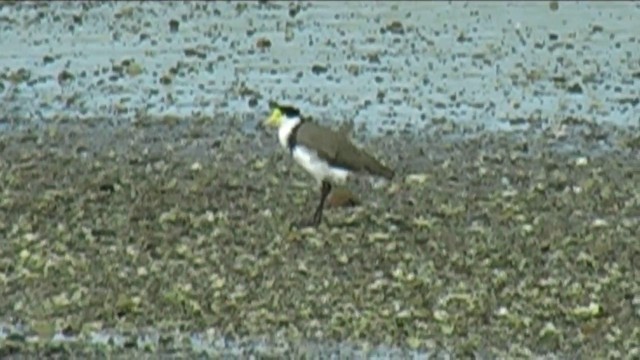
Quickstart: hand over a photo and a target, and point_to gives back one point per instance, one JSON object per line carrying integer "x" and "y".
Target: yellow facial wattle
{"x": 275, "y": 119}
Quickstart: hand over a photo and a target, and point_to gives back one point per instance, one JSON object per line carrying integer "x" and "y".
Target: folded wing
{"x": 335, "y": 148}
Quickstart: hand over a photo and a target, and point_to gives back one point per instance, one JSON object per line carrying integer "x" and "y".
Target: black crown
{"x": 288, "y": 110}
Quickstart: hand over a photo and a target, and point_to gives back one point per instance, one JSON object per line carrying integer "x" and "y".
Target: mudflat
{"x": 493, "y": 245}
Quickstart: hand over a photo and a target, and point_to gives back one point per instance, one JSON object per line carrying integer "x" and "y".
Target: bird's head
{"x": 281, "y": 114}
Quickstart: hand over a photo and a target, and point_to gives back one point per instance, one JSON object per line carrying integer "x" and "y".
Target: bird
{"x": 328, "y": 155}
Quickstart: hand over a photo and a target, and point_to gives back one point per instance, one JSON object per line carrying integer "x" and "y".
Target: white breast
{"x": 285, "y": 130}
{"x": 317, "y": 167}
{"x": 308, "y": 158}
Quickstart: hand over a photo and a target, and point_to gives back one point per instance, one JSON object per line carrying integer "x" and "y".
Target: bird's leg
{"x": 324, "y": 193}
{"x": 317, "y": 215}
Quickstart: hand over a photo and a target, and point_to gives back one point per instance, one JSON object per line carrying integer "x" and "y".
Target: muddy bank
{"x": 494, "y": 245}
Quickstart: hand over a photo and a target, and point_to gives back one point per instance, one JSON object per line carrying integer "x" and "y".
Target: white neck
{"x": 285, "y": 130}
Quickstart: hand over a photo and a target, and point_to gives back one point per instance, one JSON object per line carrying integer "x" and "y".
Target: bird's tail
{"x": 374, "y": 167}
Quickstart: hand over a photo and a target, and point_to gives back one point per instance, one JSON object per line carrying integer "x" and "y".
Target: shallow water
{"x": 212, "y": 345}
{"x": 487, "y": 65}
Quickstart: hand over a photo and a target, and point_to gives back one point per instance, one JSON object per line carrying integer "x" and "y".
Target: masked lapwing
{"x": 328, "y": 155}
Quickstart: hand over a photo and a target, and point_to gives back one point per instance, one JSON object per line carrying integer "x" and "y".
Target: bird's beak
{"x": 274, "y": 119}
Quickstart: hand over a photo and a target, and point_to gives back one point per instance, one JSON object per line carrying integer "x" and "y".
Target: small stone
{"x": 575, "y": 89}
{"x": 394, "y": 188}
{"x": 165, "y": 80}
{"x": 24, "y": 254}
{"x": 447, "y": 329}
{"x": 48, "y": 59}
{"x": 391, "y": 247}
{"x": 582, "y": 161}
{"x": 502, "y": 311}
{"x": 134, "y": 69}
{"x": 378, "y": 284}
{"x": 289, "y": 35}
{"x": 182, "y": 249}
{"x": 413, "y": 342}
{"x": 29, "y": 237}
{"x": 260, "y": 164}
{"x": 294, "y": 9}
{"x": 263, "y": 43}
{"x": 598, "y": 223}
{"x": 61, "y": 300}
{"x": 319, "y": 69}
{"x": 440, "y": 315}
{"x": 592, "y": 310}
{"x": 174, "y": 25}
{"x": 397, "y": 273}
{"x": 378, "y": 236}
{"x": 64, "y": 76}
{"x": 395, "y": 27}
{"x": 302, "y": 267}
{"x": 44, "y": 329}
{"x": 196, "y": 166}
{"x": 416, "y": 178}
{"x": 548, "y": 330}
{"x": 509, "y": 193}
{"x": 217, "y": 282}
{"x": 422, "y": 222}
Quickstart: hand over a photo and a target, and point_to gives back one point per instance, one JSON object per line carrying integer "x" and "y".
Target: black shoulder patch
{"x": 290, "y": 111}
{"x": 292, "y": 141}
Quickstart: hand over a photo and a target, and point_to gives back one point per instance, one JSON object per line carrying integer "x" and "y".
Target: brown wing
{"x": 318, "y": 138}
{"x": 335, "y": 148}
{"x": 367, "y": 162}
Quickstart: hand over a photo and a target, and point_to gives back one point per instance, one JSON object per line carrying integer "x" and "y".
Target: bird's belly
{"x": 320, "y": 169}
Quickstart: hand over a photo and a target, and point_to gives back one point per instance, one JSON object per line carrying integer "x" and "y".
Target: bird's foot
{"x": 307, "y": 223}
